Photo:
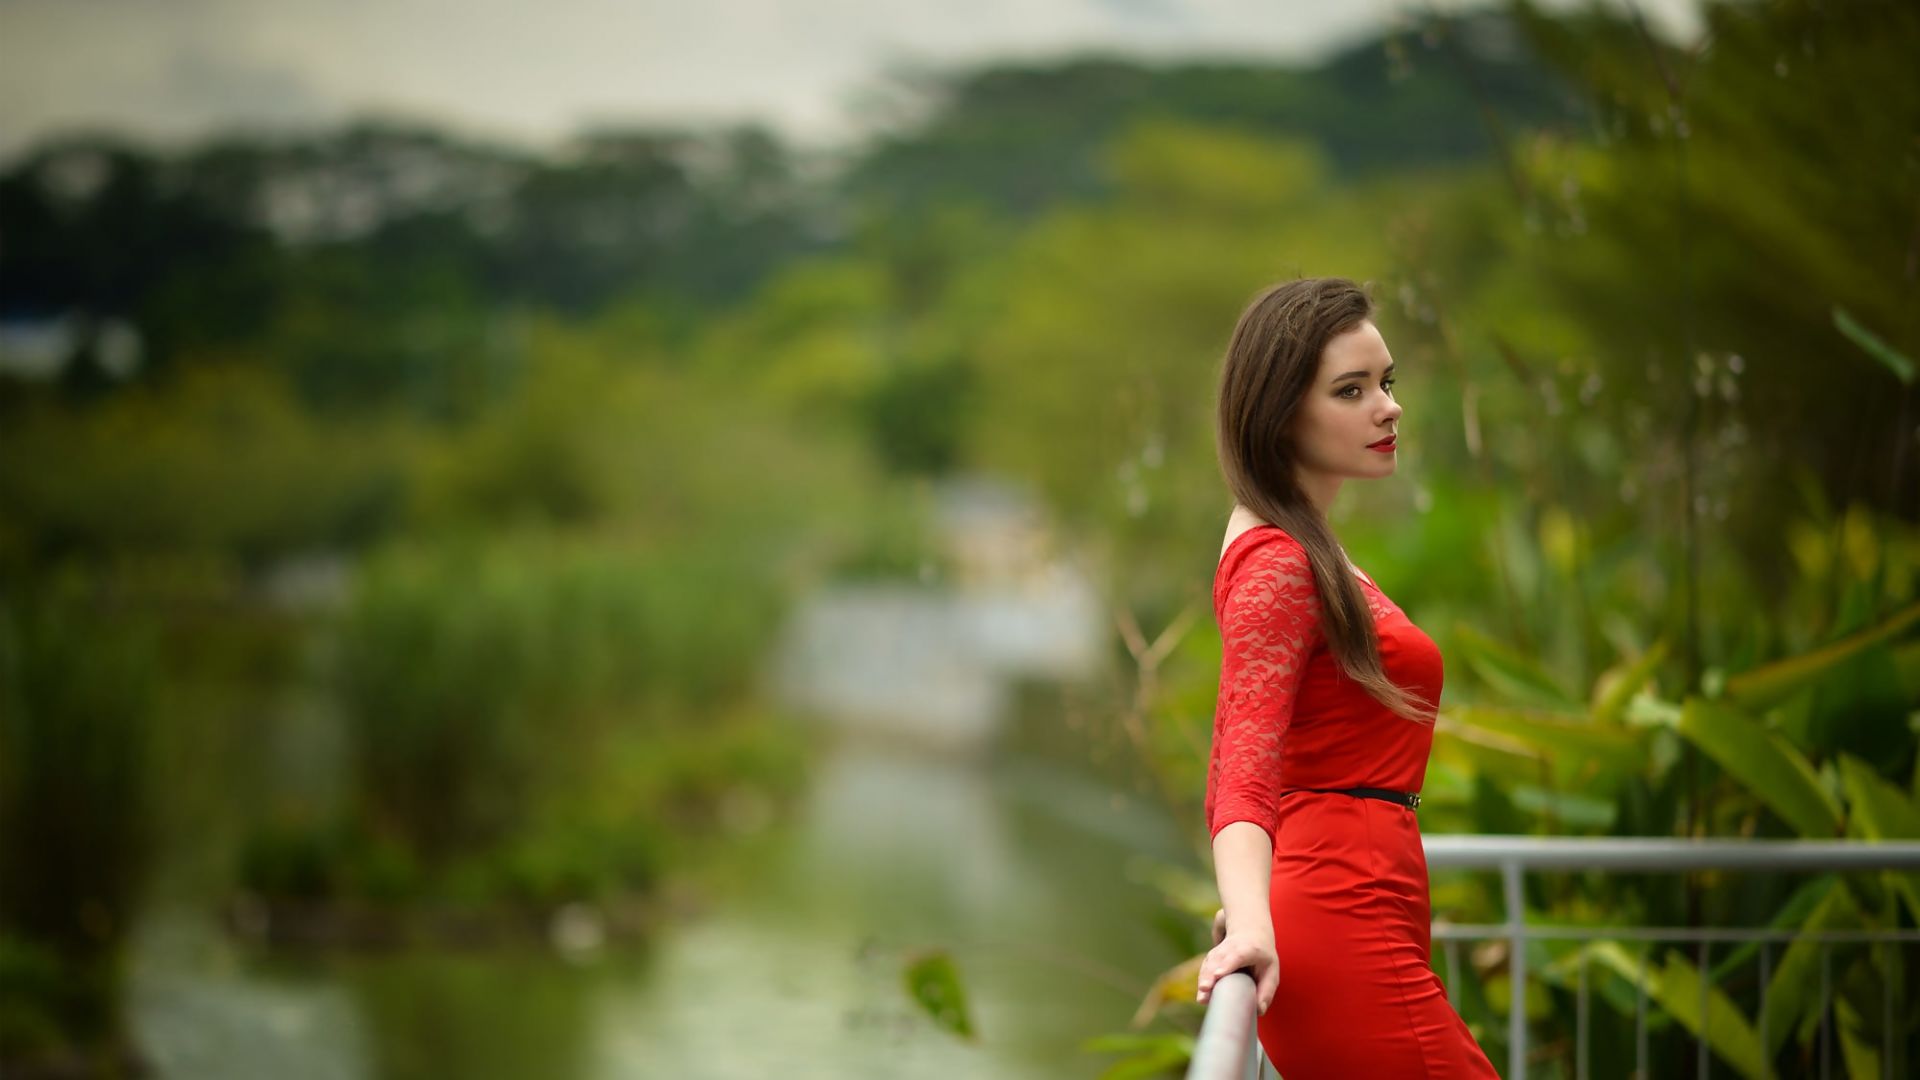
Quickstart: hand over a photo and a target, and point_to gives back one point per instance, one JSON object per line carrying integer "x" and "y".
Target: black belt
{"x": 1408, "y": 799}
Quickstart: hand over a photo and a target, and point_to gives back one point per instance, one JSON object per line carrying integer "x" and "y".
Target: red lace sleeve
{"x": 1269, "y": 625}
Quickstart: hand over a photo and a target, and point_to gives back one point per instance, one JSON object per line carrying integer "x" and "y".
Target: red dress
{"x": 1352, "y": 919}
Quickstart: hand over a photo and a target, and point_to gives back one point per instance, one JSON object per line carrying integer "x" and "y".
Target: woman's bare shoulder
{"x": 1239, "y": 522}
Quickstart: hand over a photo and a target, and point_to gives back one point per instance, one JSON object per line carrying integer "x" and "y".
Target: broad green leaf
{"x": 1647, "y": 710}
{"x": 1511, "y": 674}
{"x": 1773, "y": 770}
{"x": 1768, "y": 683}
{"x": 934, "y": 982}
{"x": 1176, "y": 985}
{"x": 1563, "y": 739}
{"x": 1854, "y": 706}
{"x": 1150, "y": 1055}
{"x": 1476, "y": 751}
{"x": 1880, "y": 811}
{"x": 1906, "y": 660}
{"x": 1858, "y": 1049}
{"x": 1873, "y": 345}
{"x": 1499, "y": 992}
{"x": 1612, "y": 691}
{"x": 1676, "y": 988}
{"x": 1725, "y": 1027}
{"x": 1611, "y": 954}
{"x": 1794, "y": 993}
{"x": 1632, "y": 972}
{"x": 1798, "y": 908}
{"x": 1127, "y": 1042}
{"x": 1889, "y": 964}
{"x": 1155, "y": 1063}
{"x": 1572, "y": 808}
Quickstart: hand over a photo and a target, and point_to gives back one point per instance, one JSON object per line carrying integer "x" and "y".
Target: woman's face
{"x": 1348, "y": 409}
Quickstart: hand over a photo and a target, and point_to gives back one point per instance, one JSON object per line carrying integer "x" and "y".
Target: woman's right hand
{"x": 1251, "y": 949}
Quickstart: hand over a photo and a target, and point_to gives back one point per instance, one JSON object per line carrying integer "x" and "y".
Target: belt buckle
{"x": 1413, "y": 801}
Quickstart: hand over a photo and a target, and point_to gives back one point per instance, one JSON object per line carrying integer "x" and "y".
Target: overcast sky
{"x": 532, "y": 73}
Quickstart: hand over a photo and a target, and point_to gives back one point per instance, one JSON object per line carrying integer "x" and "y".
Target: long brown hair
{"x": 1271, "y": 363}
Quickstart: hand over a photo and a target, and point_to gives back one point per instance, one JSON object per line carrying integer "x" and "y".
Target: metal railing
{"x": 1227, "y": 1047}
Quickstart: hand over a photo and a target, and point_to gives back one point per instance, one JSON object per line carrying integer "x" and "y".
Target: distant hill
{"x": 207, "y": 244}
{"x": 1020, "y": 137}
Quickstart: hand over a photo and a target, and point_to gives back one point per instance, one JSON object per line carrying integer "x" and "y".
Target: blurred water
{"x": 1022, "y": 871}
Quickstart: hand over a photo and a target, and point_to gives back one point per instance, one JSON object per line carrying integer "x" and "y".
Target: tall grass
{"x": 78, "y": 681}
{"x": 529, "y": 719}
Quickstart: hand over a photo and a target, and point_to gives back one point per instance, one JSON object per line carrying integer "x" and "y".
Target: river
{"x": 1027, "y": 873}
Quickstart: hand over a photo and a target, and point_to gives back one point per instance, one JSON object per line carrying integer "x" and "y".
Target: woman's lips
{"x": 1385, "y": 446}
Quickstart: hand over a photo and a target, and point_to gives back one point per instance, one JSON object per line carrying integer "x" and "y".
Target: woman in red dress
{"x": 1325, "y": 715}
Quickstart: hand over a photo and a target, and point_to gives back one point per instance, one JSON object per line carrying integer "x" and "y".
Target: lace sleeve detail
{"x": 1269, "y": 625}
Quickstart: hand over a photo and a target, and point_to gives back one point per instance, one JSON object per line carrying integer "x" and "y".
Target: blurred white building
{"x": 40, "y": 349}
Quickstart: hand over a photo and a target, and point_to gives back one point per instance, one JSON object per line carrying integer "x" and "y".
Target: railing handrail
{"x": 1225, "y": 1048}
{"x": 1653, "y": 853}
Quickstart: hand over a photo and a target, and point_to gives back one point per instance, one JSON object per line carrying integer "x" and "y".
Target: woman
{"x": 1325, "y": 714}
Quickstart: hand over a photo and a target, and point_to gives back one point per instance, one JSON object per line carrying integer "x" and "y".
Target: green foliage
{"x": 645, "y": 805}
{"x": 1769, "y": 683}
{"x": 1793, "y": 995}
{"x": 78, "y": 688}
{"x": 532, "y": 673}
{"x": 1881, "y": 811}
{"x": 1770, "y": 766}
{"x": 1676, "y": 986}
{"x": 1512, "y": 675}
{"x": 219, "y": 460}
{"x": 34, "y": 990}
{"x": 356, "y": 332}
{"x": 934, "y": 983}
{"x": 598, "y": 435}
{"x": 1896, "y": 361}
{"x": 874, "y": 341}
{"x": 1159, "y": 1054}
{"x": 482, "y": 682}
{"x": 1747, "y": 161}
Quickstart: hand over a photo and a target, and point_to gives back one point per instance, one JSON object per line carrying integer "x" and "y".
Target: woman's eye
{"x": 1385, "y": 384}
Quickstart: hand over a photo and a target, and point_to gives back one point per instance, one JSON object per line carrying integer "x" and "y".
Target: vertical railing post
{"x": 1766, "y": 987}
{"x": 1580, "y": 1023}
{"x": 1516, "y": 969}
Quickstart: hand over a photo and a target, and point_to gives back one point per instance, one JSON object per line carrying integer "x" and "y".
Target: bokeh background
{"x": 617, "y": 540}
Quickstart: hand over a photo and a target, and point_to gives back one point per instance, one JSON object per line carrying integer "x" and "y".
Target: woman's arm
{"x": 1269, "y": 625}
{"x": 1242, "y": 865}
